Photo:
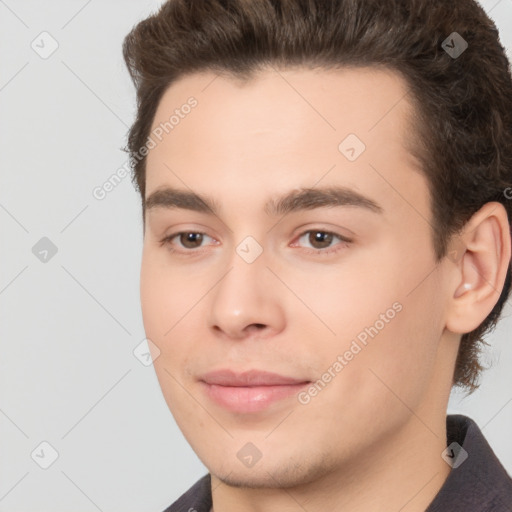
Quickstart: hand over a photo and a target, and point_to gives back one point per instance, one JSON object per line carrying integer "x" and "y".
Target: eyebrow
{"x": 293, "y": 201}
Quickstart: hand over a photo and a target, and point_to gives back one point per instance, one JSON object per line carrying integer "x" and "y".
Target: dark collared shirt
{"x": 479, "y": 484}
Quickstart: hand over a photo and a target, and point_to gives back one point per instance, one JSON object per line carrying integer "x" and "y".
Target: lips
{"x": 250, "y": 391}
{"x": 248, "y": 378}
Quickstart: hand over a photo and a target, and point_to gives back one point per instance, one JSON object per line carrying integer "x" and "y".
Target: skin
{"x": 372, "y": 438}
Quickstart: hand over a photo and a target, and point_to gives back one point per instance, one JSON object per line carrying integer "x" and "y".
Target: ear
{"x": 479, "y": 258}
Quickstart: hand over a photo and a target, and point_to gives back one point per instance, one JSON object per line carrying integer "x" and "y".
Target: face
{"x": 288, "y": 283}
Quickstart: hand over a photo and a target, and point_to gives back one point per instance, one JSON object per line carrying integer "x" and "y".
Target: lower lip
{"x": 250, "y": 399}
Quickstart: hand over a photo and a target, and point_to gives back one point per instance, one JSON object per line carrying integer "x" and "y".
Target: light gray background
{"x": 69, "y": 326}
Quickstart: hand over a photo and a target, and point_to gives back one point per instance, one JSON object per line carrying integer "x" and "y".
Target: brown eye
{"x": 320, "y": 239}
{"x": 191, "y": 240}
{"x": 320, "y": 242}
{"x": 186, "y": 242}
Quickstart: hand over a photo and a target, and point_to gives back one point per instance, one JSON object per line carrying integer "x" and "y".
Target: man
{"x": 326, "y": 200}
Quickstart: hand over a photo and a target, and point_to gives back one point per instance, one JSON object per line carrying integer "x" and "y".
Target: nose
{"x": 247, "y": 301}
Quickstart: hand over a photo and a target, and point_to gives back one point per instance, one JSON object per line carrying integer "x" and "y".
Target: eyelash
{"x": 344, "y": 242}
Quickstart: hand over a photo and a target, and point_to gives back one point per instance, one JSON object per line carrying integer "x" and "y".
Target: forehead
{"x": 296, "y": 122}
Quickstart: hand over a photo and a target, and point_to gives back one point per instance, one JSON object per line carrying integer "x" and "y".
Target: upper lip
{"x": 249, "y": 378}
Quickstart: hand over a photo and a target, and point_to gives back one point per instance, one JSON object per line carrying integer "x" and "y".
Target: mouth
{"x": 250, "y": 391}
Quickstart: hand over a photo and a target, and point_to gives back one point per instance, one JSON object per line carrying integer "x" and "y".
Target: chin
{"x": 275, "y": 475}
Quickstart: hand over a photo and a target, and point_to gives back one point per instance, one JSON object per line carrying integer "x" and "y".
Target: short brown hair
{"x": 463, "y": 105}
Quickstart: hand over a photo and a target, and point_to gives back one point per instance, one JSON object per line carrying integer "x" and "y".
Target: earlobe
{"x": 479, "y": 274}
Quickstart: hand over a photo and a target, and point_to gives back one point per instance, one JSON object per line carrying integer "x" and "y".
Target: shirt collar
{"x": 480, "y": 482}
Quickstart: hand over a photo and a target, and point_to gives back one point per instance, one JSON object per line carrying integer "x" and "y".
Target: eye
{"x": 320, "y": 240}
{"x": 188, "y": 240}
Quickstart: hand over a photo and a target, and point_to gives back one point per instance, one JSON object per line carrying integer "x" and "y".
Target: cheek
{"x": 380, "y": 381}
{"x": 163, "y": 305}
{"x": 154, "y": 302}
{"x": 386, "y": 333}
{"x": 345, "y": 299}
{"x": 166, "y": 295}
